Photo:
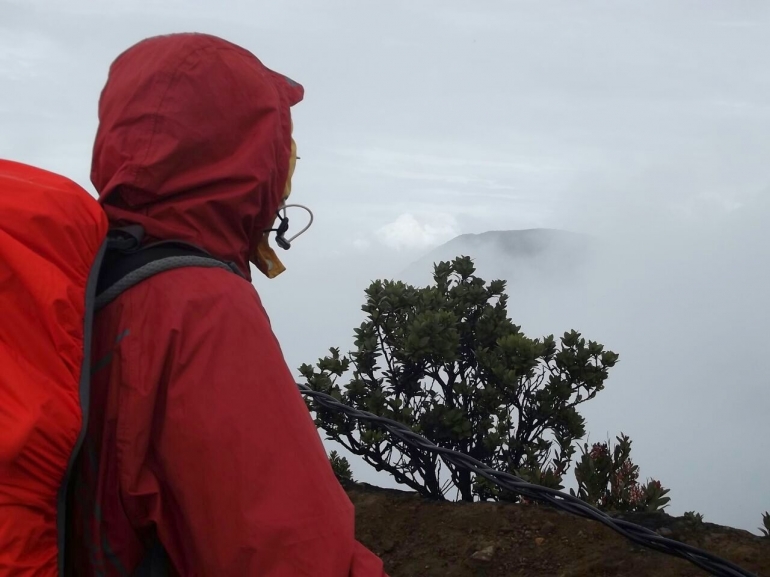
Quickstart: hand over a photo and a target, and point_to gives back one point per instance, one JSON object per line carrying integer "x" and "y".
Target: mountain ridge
{"x": 551, "y": 251}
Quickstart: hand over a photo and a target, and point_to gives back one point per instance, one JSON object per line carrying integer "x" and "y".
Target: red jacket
{"x": 197, "y": 431}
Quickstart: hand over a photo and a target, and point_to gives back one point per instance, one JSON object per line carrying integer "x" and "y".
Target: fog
{"x": 686, "y": 309}
{"x": 644, "y": 125}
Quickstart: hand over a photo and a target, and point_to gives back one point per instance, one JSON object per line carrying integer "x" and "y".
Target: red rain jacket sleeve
{"x": 215, "y": 443}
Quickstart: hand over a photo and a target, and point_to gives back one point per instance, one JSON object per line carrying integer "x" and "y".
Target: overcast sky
{"x": 644, "y": 123}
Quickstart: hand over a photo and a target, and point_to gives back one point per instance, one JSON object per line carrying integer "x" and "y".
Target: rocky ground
{"x": 418, "y": 537}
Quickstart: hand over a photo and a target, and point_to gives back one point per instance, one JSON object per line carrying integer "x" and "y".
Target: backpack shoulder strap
{"x": 124, "y": 268}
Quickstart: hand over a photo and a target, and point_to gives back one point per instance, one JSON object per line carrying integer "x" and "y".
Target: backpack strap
{"x": 126, "y": 263}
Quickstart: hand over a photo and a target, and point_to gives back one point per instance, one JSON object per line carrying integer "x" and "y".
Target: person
{"x": 200, "y": 457}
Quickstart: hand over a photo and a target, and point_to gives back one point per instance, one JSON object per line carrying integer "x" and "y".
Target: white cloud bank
{"x": 411, "y": 232}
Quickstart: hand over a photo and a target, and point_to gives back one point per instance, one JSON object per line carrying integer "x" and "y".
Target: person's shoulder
{"x": 199, "y": 291}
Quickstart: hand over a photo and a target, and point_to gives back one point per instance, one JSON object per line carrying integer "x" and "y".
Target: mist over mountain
{"x": 517, "y": 255}
{"x": 542, "y": 269}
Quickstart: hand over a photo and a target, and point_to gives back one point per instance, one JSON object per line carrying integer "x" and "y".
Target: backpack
{"x": 59, "y": 264}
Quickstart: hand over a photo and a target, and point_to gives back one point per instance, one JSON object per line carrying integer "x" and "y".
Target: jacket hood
{"x": 194, "y": 142}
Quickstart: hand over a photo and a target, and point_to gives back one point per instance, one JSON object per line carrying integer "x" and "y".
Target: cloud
{"x": 462, "y": 168}
{"x": 361, "y": 244}
{"x": 27, "y": 55}
{"x": 408, "y": 232}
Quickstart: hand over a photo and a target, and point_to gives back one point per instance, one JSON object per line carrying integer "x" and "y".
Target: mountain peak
{"x": 495, "y": 252}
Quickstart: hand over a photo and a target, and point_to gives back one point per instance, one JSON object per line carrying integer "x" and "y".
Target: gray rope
{"x": 151, "y": 269}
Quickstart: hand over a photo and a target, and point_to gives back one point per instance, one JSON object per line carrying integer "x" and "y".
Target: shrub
{"x": 447, "y": 361}
{"x": 608, "y": 480}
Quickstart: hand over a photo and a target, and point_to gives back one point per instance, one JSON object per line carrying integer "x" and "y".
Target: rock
{"x": 388, "y": 545}
{"x": 484, "y": 554}
{"x": 612, "y": 567}
{"x": 665, "y": 532}
{"x": 548, "y": 527}
{"x": 539, "y": 541}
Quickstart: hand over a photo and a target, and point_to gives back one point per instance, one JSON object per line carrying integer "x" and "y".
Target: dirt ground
{"x": 419, "y": 537}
